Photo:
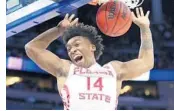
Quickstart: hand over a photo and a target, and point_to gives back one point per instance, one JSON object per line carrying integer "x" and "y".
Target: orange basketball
{"x": 114, "y": 18}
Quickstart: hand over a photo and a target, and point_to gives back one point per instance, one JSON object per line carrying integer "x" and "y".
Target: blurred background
{"x": 29, "y": 87}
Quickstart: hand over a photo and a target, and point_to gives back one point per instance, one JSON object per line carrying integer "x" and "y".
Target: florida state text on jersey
{"x": 90, "y": 88}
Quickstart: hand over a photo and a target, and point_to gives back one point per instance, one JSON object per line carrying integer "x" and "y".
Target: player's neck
{"x": 91, "y": 62}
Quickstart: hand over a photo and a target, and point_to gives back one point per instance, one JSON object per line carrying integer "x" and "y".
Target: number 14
{"x": 97, "y": 84}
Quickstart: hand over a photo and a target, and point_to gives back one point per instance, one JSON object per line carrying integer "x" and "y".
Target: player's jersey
{"x": 90, "y": 88}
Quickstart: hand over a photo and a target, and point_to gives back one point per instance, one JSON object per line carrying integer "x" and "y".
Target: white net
{"x": 133, "y": 3}
{"x": 130, "y": 3}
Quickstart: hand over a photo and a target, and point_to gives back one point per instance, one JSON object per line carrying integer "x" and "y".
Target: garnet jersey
{"x": 90, "y": 88}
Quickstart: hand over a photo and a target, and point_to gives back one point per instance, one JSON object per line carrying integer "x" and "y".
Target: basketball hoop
{"x": 130, "y": 3}
{"x": 133, "y": 3}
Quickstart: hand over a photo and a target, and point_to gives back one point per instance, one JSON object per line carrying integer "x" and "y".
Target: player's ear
{"x": 93, "y": 47}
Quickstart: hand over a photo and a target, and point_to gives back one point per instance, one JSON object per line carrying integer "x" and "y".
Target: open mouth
{"x": 78, "y": 58}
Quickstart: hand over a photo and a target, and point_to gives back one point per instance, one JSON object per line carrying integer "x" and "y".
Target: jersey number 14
{"x": 97, "y": 84}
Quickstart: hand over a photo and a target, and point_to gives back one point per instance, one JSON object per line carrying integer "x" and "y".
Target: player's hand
{"x": 142, "y": 20}
{"x": 100, "y": 2}
{"x": 68, "y": 21}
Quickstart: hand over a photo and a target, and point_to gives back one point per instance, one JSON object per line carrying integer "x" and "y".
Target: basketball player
{"x": 82, "y": 82}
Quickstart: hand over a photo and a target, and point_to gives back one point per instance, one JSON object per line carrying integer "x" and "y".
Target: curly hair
{"x": 87, "y": 31}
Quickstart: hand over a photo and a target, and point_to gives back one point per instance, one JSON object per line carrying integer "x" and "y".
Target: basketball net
{"x": 130, "y": 3}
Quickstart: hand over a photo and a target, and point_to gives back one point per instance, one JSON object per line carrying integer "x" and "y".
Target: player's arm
{"x": 145, "y": 60}
{"x": 36, "y": 49}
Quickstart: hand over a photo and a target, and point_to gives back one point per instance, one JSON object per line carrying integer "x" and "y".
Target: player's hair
{"x": 87, "y": 31}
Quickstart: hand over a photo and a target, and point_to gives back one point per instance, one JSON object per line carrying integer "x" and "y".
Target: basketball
{"x": 114, "y": 18}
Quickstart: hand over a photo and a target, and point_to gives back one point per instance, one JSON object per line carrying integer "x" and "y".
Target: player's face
{"x": 80, "y": 51}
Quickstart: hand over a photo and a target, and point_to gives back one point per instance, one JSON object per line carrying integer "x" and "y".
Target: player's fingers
{"x": 133, "y": 16}
{"x": 71, "y": 17}
{"x": 74, "y": 22}
{"x": 141, "y": 11}
{"x": 66, "y": 16}
{"x": 137, "y": 12}
{"x": 147, "y": 14}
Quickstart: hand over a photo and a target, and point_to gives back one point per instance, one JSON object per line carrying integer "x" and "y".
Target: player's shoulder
{"x": 115, "y": 65}
{"x": 109, "y": 66}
